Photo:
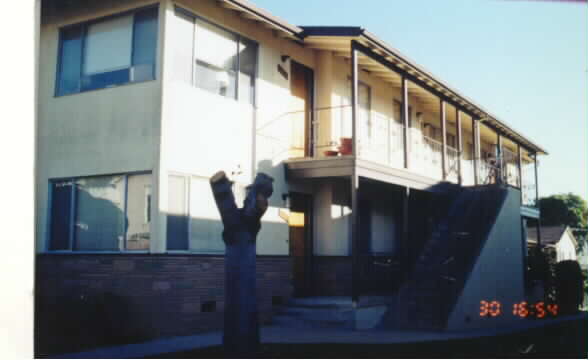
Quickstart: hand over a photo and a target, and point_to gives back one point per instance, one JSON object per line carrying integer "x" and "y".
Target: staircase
{"x": 432, "y": 288}
{"x": 316, "y": 312}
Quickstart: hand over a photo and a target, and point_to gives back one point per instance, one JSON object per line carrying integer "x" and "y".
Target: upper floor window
{"x": 101, "y": 213}
{"x": 214, "y": 59}
{"x": 107, "y": 52}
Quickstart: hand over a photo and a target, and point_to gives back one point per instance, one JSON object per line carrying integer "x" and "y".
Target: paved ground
{"x": 281, "y": 342}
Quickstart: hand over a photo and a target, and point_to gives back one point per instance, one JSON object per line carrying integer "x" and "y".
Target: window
{"x": 214, "y": 59}
{"x": 108, "y": 52}
{"x": 101, "y": 213}
{"x": 193, "y": 220}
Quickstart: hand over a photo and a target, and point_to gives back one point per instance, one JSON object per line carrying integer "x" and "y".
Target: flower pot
{"x": 346, "y": 147}
{"x": 331, "y": 153}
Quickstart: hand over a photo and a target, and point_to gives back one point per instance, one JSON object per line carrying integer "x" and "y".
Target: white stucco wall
{"x": 104, "y": 131}
{"x": 203, "y": 132}
{"x": 497, "y": 274}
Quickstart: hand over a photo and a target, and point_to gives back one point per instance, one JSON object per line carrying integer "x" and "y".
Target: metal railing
{"x": 452, "y": 164}
{"x": 510, "y": 170}
{"x": 381, "y": 140}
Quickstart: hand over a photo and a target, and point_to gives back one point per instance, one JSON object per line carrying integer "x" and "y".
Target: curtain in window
{"x": 61, "y": 196}
{"x": 247, "y": 68}
{"x": 99, "y": 213}
{"x": 183, "y": 31}
{"x": 108, "y": 45}
{"x": 205, "y": 224}
{"x": 216, "y": 59}
{"x": 138, "y": 218}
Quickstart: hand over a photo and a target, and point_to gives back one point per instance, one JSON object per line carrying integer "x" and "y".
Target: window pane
{"x": 177, "y": 218}
{"x": 216, "y": 54}
{"x": 247, "y": 67}
{"x": 99, "y": 213}
{"x": 70, "y": 60}
{"x": 184, "y": 39}
{"x": 61, "y": 192}
{"x": 108, "y": 45}
{"x": 205, "y": 224}
{"x": 145, "y": 44}
{"x": 138, "y": 208}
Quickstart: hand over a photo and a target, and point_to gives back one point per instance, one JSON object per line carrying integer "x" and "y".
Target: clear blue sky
{"x": 524, "y": 61}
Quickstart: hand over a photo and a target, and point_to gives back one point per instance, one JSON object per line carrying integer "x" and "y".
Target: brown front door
{"x": 301, "y": 89}
{"x": 300, "y": 225}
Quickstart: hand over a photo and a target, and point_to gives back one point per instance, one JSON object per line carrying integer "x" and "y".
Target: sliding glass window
{"x": 213, "y": 58}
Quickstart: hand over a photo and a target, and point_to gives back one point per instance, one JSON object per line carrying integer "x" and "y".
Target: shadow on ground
{"x": 564, "y": 340}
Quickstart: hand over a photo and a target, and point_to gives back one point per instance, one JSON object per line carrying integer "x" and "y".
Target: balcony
{"x": 381, "y": 144}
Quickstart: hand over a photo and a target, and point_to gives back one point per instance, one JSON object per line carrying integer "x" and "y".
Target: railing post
{"x": 500, "y": 160}
{"x": 476, "y": 142}
{"x": 459, "y": 144}
{"x": 405, "y": 122}
{"x": 443, "y": 139}
{"x": 520, "y": 169}
{"x": 354, "y": 181}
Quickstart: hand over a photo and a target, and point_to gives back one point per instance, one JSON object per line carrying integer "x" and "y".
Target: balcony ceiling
{"x": 338, "y": 40}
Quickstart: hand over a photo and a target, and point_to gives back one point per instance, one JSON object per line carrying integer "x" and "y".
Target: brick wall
{"x": 86, "y": 301}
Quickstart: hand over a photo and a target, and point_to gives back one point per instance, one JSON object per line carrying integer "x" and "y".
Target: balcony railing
{"x": 381, "y": 140}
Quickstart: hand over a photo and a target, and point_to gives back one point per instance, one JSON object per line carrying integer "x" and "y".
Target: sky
{"x": 524, "y": 61}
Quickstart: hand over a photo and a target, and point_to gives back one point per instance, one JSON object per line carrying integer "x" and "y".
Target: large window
{"x": 193, "y": 221}
{"x": 101, "y": 213}
{"x": 214, "y": 59}
{"x": 108, "y": 52}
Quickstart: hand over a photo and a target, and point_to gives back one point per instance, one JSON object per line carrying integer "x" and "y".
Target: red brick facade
{"x": 85, "y": 301}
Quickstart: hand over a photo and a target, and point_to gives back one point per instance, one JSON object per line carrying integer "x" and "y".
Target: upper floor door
{"x": 301, "y": 89}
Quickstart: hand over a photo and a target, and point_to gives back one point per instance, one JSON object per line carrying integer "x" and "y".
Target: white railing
{"x": 452, "y": 164}
{"x": 425, "y": 155}
{"x": 381, "y": 140}
{"x": 510, "y": 170}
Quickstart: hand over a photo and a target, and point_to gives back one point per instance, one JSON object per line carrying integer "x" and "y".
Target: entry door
{"x": 300, "y": 225}
{"x": 301, "y": 89}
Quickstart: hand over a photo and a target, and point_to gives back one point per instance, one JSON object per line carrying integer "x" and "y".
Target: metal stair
{"x": 443, "y": 266}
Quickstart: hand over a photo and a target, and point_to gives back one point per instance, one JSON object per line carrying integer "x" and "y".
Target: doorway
{"x": 300, "y": 232}
{"x": 301, "y": 89}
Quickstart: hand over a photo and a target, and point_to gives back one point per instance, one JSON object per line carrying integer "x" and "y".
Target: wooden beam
{"x": 459, "y": 144}
{"x": 520, "y": 169}
{"x": 476, "y": 142}
{"x": 500, "y": 160}
{"x": 404, "y": 90}
{"x": 354, "y": 178}
{"x": 443, "y": 118}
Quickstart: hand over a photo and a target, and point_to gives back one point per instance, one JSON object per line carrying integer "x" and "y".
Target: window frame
{"x": 85, "y": 24}
{"x": 195, "y": 17}
{"x": 72, "y": 211}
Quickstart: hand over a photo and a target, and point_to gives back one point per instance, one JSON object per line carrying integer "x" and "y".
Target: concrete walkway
{"x": 282, "y": 335}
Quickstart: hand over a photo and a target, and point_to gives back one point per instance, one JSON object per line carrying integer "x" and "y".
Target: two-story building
{"x": 386, "y": 178}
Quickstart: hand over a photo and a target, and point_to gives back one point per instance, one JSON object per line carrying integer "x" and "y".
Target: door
{"x": 300, "y": 229}
{"x": 301, "y": 89}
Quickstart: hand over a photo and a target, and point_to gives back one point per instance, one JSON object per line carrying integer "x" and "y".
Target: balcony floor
{"x": 343, "y": 166}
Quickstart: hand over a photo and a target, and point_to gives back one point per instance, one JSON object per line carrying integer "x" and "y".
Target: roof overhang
{"x": 338, "y": 39}
{"x": 252, "y": 12}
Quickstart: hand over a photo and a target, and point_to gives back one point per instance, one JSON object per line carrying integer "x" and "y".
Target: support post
{"x": 476, "y": 142}
{"x": 405, "y": 222}
{"x": 520, "y": 169}
{"x": 354, "y": 181}
{"x": 459, "y": 144}
{"x": 537, "y": 201}
{"x": 443, "y": 139}
{"x": 501, "y": 176}
{"x": 405, "y": 133}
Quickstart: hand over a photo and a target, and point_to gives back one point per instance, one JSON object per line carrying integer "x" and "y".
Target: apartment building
{"x": 391, "y": 188}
